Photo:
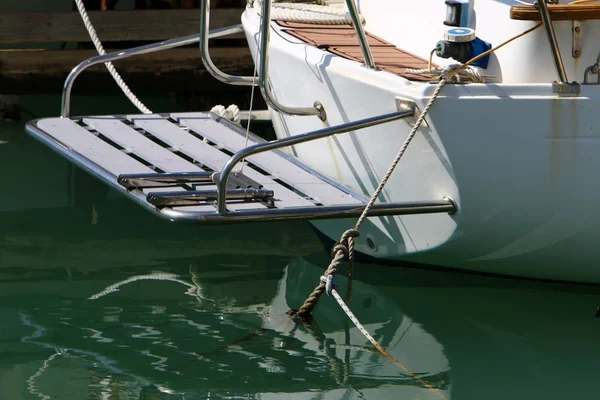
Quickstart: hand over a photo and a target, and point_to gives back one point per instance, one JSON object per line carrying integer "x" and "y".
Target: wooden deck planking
{"x": 558, "y": 12}
{"x": 341, "y": 40}
{"x": 335, "y": 37}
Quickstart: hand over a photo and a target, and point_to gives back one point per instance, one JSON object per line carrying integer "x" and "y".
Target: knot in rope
{"x": 346, "y": 245}
{"x": 454, "y": 73}
{"x": 461, "y": 73}
{"x": 344, "y": 249}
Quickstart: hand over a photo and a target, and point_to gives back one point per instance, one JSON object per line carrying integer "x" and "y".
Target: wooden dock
{"x": 40, "y": 49}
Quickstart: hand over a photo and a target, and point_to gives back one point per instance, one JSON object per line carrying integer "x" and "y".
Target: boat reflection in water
{"x": 225, "y": 334}
{"x": 421, "y": 368}
{"x": 221, "y": 331}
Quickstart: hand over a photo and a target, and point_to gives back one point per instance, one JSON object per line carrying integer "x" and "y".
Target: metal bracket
{"x": 590, "y": 71}
{"x": 577, "y": 46}
{"x": 404, "y": 104}
{"x": 566, "y": 89}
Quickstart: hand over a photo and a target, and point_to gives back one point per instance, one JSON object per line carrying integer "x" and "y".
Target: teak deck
{"x": 341, "y": 40}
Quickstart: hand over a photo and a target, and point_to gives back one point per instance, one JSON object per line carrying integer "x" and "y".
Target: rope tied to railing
{"x": 344, "y": 249}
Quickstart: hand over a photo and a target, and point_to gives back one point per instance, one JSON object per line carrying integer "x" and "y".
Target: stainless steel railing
{"x": 135, "y": 51}
{"x": 203, "y": 37}
{"x": 361, "y": 35}
{"x": 547, "y": 20}
{"x": 263, "y": 75}
{"x": 205, "y": 54}
{"x": 222, "y": 177}
{"x": 317, "y": 108}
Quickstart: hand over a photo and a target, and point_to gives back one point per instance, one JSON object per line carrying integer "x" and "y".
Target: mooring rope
{"x": 322, "y": 13}
{"x": 333, "y": 292}
{"x": 113, "y": 72}
{"x": 31, "y": 382}
{"x": 193, "y": 290}
{"x": 344, "y": 249}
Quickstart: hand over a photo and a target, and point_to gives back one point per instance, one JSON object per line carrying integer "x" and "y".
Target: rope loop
{"x": 345, "y": 245}
{"x": 457, "y": 73}
{"x": 340, "y": 248}
{"x": 350, "y": 233}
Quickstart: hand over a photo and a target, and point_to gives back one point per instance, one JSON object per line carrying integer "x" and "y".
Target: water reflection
{"x": 154, "y": 333}
{"x": 220, "y": 330}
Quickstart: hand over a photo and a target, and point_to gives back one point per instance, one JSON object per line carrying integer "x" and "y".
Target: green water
{"x": 102, "y": 300}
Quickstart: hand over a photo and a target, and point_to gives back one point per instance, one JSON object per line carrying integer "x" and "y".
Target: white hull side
{"x": 520, "y": 163}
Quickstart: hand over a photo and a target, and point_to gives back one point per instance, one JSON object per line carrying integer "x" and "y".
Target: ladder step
{"x": 175, "y": 199}
{"x": 154, "y": 180}
{"x": 237, "y": 180}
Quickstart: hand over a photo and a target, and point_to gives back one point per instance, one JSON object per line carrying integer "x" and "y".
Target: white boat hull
{"x": 519, "y": 161}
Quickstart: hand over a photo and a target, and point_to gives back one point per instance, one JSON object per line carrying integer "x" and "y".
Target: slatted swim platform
{"x": 173, "y": 164}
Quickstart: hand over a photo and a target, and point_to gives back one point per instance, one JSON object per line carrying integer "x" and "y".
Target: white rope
{"x": 379, "y": 348}
{"x": 467, "y": 75}
{"x": 344, "y": 249}
{"x": 309, "y": 13}
{"x": 31, "y": 382}
{"x": 231, "y": 113}
{"x": 193, "y": 290}
{"x": 249, "y": 115}
{"x": 94, "y": 36}
{"x": 401, "y": 152}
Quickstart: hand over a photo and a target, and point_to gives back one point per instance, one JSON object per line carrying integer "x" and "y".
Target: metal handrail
{"x": 135, "y": 51}
{"x": 263, "y": 76}
{"x": 361, "y": 35}
{"x": 205, "y": 54}
{"x": 221, "y": 177}
{"x": 202, "y": 37}
{"x": 547, "y": 20}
